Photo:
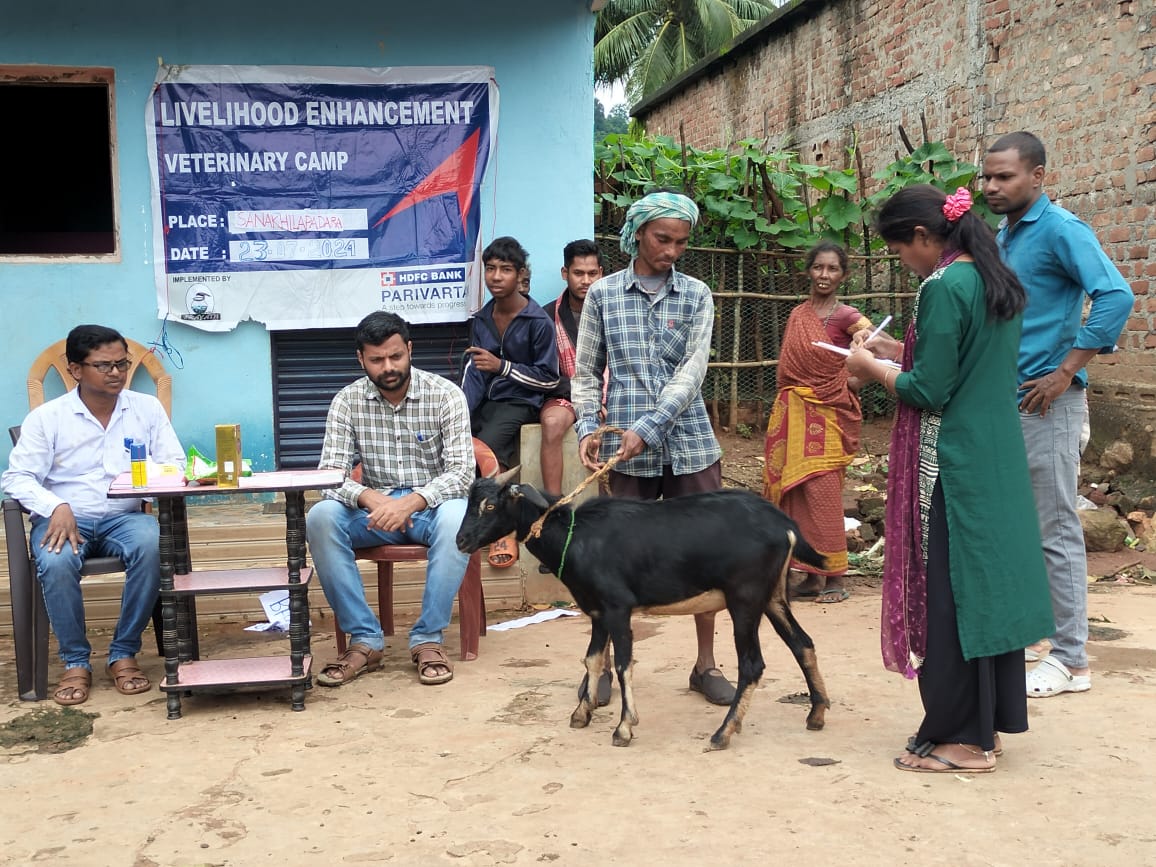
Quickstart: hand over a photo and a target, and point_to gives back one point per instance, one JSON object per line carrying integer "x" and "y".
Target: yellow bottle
{"x": 138, "y": 456}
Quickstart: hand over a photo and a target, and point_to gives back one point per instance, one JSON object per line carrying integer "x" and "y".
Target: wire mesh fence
{"x": 754, "y": 293}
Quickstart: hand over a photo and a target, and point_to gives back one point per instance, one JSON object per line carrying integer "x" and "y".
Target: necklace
{"x": 830, "y": 313}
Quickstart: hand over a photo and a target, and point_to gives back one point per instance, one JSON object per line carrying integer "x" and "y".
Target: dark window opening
{"x": 58, "y": 194}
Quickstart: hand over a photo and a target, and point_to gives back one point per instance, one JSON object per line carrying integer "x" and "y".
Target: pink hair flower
{"x": 957, "y": 204}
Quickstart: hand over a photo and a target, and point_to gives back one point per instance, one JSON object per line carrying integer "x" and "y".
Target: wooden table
{"x": 184, "y": 670}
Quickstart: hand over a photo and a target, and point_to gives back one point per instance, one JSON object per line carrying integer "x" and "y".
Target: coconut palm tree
{"x": 649, "y": 42}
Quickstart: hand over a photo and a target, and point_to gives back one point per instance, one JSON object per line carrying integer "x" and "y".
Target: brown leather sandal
{"x": 428, "y": 657}
{"x": 359, "y": 659}
{"x": 77, "y": 681}
{"x": 128, "y": 678}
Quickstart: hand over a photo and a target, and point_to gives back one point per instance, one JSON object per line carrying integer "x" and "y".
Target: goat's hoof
{"x": 580, "y": 718}
{"x": 718, "y": 741}
{"x": 622, "y": 739}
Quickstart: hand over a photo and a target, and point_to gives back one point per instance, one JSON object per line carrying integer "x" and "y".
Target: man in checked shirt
{"x": 411, "y": 430}
{"x": 650, "y": 326}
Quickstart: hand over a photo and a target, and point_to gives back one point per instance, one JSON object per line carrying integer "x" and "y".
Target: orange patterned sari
{"x": 812, "y": 436}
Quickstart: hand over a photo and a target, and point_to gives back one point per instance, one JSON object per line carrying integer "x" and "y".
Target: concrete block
{"x": 573, "y": 473}
{"x": 539, "y": 588}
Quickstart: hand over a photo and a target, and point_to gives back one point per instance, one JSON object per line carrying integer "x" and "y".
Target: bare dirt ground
{"x": 485, "y": 770}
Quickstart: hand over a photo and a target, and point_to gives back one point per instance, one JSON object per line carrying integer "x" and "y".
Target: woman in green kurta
{"x": 964, "y": 585}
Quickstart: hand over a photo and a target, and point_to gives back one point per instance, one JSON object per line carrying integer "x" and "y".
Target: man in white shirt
{"x": 70, "y": 450}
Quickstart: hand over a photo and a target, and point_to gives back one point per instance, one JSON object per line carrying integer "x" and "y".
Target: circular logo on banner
{"x": 199, "y": 300}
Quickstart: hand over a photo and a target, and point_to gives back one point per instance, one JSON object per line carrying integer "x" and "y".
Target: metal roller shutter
{"x": 309, "y": 367}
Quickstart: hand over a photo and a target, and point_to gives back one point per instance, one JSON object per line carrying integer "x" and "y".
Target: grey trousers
{"x": 1053, "y": 446}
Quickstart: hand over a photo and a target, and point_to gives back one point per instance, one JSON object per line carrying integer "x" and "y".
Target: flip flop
{"x": 833, "y": 595}
{"x": 503, "y": 553}
{"x": 949, "y": 767}
{"x": 914, "y": 747}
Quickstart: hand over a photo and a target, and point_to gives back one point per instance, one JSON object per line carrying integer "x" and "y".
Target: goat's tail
{"x": 804, "y": 553}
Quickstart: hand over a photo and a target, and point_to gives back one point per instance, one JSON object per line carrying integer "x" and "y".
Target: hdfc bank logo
{"x": 388, "y": 278}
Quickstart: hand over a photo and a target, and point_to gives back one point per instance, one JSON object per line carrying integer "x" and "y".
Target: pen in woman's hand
{"x": 875, "y": 333}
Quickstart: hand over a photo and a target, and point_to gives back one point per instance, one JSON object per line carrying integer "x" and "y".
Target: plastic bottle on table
{"x": 138, "y": 455}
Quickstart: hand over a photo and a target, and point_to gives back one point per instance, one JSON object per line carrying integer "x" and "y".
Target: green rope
{"x": 566, "y": 547}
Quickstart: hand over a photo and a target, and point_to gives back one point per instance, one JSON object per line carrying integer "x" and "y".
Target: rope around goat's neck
{"x": 536, "y": 527}
{"x": 566, "y": 546}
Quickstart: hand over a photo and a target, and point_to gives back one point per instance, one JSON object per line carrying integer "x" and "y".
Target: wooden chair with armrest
{"x": 30, "y": 627}
{"x": 471, "y": 598}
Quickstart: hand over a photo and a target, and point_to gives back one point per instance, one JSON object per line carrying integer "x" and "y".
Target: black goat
{"x": 698, "y": 553}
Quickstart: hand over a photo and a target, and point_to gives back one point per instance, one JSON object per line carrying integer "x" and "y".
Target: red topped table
{"x": 184, "y": 671}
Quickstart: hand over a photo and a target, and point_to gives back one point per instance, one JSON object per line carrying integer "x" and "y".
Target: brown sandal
{"x": 77, "y": 681}
{"x": 347, "y": 667}
{"x": 428, "y": 657}
{"x": 125, "y": 673}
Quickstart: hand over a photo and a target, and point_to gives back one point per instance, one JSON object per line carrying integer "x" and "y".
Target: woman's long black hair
{"x": 922, "y": 205}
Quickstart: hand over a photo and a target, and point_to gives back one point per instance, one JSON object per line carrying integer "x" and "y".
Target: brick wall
{"x": 1081, "y": 74}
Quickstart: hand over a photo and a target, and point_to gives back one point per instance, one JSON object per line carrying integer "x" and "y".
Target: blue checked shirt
{"x": 656, "y": 350}
{"x": 424, "y": 444}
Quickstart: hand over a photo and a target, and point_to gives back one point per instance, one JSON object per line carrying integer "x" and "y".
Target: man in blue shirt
{"x": 1059, "y": 261}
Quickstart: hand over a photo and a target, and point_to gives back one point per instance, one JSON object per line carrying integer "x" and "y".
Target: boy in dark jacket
{"x": 513, "y": 357}
{"x": 513, "y": 363}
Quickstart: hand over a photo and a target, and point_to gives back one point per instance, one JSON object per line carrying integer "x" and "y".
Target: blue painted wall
{"x": 539, "y": 187}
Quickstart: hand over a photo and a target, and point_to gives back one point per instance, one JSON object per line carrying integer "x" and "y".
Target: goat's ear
{"x": 534, "y": 496}
{"x": 508, "y": 476}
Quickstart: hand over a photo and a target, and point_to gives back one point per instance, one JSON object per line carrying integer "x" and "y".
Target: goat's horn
{"x": 508, "y": 476}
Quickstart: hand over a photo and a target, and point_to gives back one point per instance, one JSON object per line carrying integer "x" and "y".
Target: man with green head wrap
{"x": 650, "y": 327}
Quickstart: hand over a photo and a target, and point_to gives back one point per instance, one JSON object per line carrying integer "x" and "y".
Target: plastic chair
{"x": 471, "y": 597}
{"x": 30, "y": 626}
{"x": 53, "y": 358}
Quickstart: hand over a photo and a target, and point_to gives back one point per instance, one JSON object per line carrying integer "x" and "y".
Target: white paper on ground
{"x": 539, "y": 617}
{"x": 276, "y": 605}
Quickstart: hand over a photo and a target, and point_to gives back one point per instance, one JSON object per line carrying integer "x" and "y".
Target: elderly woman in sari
{"x": 814, "y": 429}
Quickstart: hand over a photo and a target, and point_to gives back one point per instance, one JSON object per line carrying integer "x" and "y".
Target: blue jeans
{"x": 132, "y": 536}
{"x": 334, "y": 530}
{"x": 1053, "y": 446}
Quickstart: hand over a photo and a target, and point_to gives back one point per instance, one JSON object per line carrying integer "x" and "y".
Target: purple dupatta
{"x": 904, "y": 620}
